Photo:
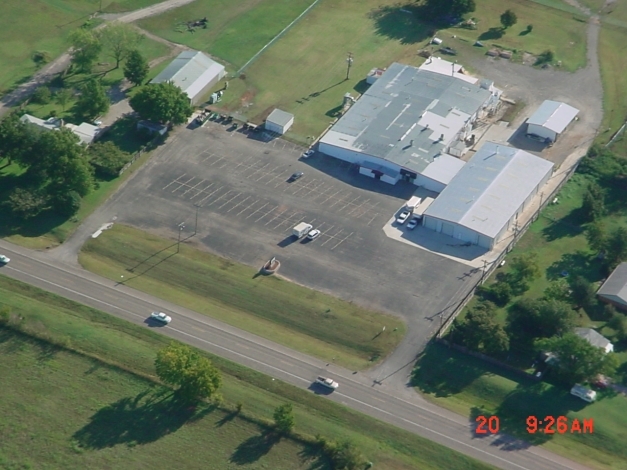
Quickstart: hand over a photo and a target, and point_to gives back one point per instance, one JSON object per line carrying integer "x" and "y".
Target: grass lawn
{"x": 472, "y": 387}
{"x": 119, "y": 417}
{"x": 298, "y": 317}
{"x": 43, "y": 25}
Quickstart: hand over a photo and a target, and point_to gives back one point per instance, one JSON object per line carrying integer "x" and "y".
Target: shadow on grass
{"x": 567, "y": 226}
{"x": 123, "y": 133}
{"x": 576, "y": 264}
{"x": 253, "y": 448}
{"x": 400, "y": 22}
{"x": 145, "y": 418}
{"x": 490, "y": 34}
{"x": 315, "y": 457}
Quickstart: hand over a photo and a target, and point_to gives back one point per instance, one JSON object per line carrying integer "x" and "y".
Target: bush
{"x": 529, "y": 28}
{"x": 67, "y": 203}
{"x": 545, "y": 57}
{"x": 41, "y": 57}
{"x": 42, "y": 95}
{"x": 500, "y": 293}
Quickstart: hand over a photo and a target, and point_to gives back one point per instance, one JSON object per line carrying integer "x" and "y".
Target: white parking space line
{"x": 193, "y": 188}
{"x": 290, "y": 223}
{"x": 258, "y": 209}
{"x": 258, "y": 170}
{"x": 229, "y": 201}
{"x": 202, "y": 191}
{"x": 182, "y": 184}
{"x": 304, "y": 186}
{"x": 219, "y": 198}
{"x": 218, "y": 160}
{"x": 330, "y": 237}
{"x": 267, "y": 213}
{"x": 210, "y": 194}
{"x": 342, "y": 241}
{"x": 239, "y": 204}
{"x": 330, "y": 197}
{"x": 277, "y": 215}
{"x": 372, "y": 220}
{"x": 174, "y": 181}
{"x": 351, "y": 203}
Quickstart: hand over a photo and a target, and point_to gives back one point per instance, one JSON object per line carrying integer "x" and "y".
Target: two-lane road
{"x": 356, "y": 391}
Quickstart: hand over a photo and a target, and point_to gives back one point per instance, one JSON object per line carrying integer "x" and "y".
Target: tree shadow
{"x": 490, "y": 34}
{"x": 253, "y": 448}
{"x": 571, "y": 265}
{"x": 145, "y": 418}
{"x": 524, "y": 32}
{"x": 315, "y": 457}
{"x": 400, "y": 22}
{"x": 568, "y": 226}
{"x": 334, "y": 112}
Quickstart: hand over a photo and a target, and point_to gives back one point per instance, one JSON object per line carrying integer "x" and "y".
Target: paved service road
{"x": 356, "y": 391}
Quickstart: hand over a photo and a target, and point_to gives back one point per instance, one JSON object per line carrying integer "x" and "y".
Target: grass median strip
{"x": 120, "y": 417}
{"x": 295, "y": 316}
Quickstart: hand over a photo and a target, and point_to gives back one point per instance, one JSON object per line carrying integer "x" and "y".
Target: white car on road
{"x": 160, "y": 316}
{"x": 326, "y": 382}
{"x": 4, "y": 259}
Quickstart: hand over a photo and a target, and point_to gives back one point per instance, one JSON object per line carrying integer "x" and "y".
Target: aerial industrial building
{"x": 551, "y": 119}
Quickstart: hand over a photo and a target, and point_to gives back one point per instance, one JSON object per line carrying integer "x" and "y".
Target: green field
{"x": 473, "y": 387}
{"x": 295, "y": 316}
{"x": 43, "y": 25}
{"x": 111, "y": 418}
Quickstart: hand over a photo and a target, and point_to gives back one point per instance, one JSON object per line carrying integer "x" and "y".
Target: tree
{"x": 508, "y": 19}
{"x": 500, "y": 292}
{"x": 346, "y": 456}
{"x": 593, "y": 205}
{"x": 107, "y": 159}
{"x": 480, "y": 332}
{"x": 578, "y": 360}
{"x": 557, "y": 290}
{"x": 539, "y": 318}
{"x": 26, "y": 203}
{"x": 618, "y": 322}
{"x": 545, "y": 57}
{"x": 65, "y": 203}
{"x": 525, "y": 267}
{"x": 86, "y": 48}
{"x": 63, "y": 97}
{"x": 616, "y": 247}
{"x": 451, "y": 8}
{"x": 15, "y": 138}
{"x": 529, "y": 28}
{"x": 163, "y": 102}
{"x": 194, "y": 375}
{"x": 284, "y": 418}
{"x": 93, "y": 100}
{"x": 583, "y": 293}
{"x": 136, "y": 68}
{"x": 596, "y": 235}
{"x": 118, "y": 40}
{"x": 42, "y": 95}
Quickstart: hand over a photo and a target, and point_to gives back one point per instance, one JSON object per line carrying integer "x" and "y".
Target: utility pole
{"x": 485, "y": 268}
{"x": 196, "y": 224}
{"x": 181, "y": 226}
{"x": 349, "y": 62}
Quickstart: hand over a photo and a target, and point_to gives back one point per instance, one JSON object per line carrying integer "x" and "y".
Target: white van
{"x": 584, "y": 393}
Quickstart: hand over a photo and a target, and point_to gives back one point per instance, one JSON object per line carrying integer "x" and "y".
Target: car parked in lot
{"x": 309, "y": 153}
{"x": 313, "y": 234}
{"x": 160, "y": 316}
{"x": 326, "y": 382}
{"x": 4, "y": 259}
{"x": 296, "y": 176}
{"x": 402, "y": 218}
{"x": 413, "y": 223}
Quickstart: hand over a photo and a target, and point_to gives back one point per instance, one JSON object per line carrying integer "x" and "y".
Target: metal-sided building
{"x": 550, "y": 119}
{"x": 193, "y": 72}
{"x": 485, "y": 198}
{"x": 614, "y": 289}
{"x": 404, "y": 125}
{"x": 279, "y": 122}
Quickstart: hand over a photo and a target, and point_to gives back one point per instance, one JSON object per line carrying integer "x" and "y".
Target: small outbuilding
{"x": 551, "y": 119}
{"x": 595, "y": 339}
{"x": 193, "y": 72}
{"x": 279, "y": 122}
{"x": 614, "y": 289}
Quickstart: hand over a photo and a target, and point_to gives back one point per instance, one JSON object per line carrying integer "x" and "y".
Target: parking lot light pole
{"x": 196, "y": 224}
{"x": 181, "y": 226}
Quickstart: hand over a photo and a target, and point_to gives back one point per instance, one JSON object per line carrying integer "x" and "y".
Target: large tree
{"x": 452, "y": 8}
{"x": 136, "y": 68}
{"x": 63, "y": 97}
{"x": 107, "y": 159}
{"x": 162, "y": 102}
{"x": 479, "y": 331}
{"x": 118, "y": 40}
{"x": 525, "y": 266}
{"x": 578, "y": 360}
{"x": 593, "y": 205}
{"x": 194, "y": 375}
{"x": 616, "y": 247}
{"x": 85, "y": 50}
{"x": 15, "y": 138}
{"x": 597, "y": 236}
{"x": 93, "y": 100}
{"x": 508, "y": 19}
{"x": 539, "y": 318}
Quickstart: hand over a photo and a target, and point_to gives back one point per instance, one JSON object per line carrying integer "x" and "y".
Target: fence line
{"x": 488, "y": 270}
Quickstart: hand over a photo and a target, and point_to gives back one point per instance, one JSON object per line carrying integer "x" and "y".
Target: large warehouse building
{"x": 550, "y": 119}
{"x": 410, "y": 121}
{"x": 485, "y": 198}
{"x": 193, "y": 72}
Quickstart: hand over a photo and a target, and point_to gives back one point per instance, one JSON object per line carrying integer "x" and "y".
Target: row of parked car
{"x": 405, "y": 216}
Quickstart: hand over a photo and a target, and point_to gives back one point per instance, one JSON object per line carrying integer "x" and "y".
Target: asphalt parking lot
{"x": 246, "y": 205}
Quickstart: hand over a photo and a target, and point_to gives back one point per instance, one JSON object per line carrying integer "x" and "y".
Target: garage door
{"x": 447, "y": 229}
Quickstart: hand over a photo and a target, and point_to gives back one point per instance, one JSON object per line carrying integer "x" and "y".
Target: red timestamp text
{"x": 487, "y": 424}
{"x": 559, "y": 425}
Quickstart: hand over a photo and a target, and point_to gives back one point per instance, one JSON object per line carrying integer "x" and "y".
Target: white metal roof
{"x": 443, "y": 168}
{"x": 444, "y": 67}
{"x": 615, "y": 288}
{"x": 553, "y": 115}
{"x": 279, "y": 117}
{"x": 490, "y": 188}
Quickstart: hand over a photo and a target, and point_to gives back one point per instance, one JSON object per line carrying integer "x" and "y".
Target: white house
{"x": 193, "y": 72}
{"x": 86, "y": 132}
{"x": 595, "y": 339}
{"x": 550, "y": 119}
{"x": 483, "y": 200}
{"x": 279, "y": 122}
{"x": 405, "y": 126}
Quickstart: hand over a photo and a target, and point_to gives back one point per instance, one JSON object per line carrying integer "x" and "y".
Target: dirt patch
{"x": 528, "y": 59}
{"x": 247, "y": 99}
